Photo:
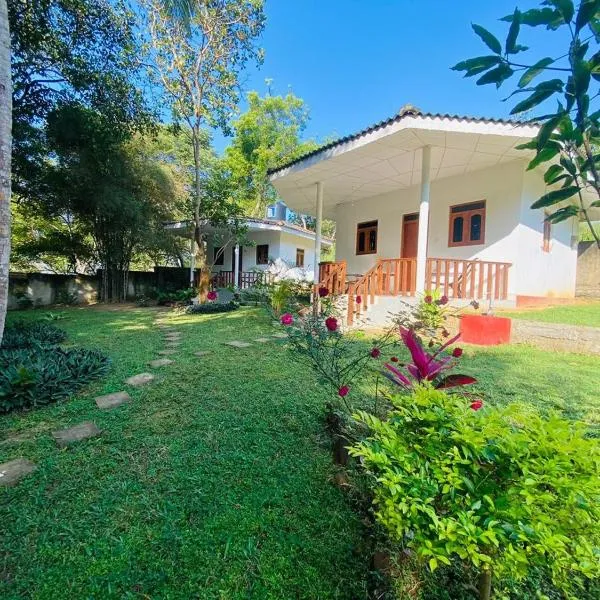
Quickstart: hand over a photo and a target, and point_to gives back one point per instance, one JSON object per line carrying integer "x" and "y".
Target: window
{"x": 262, "y": 254}
{"x": 366, "y": 238}
{"x": 218, "y": 255}
{"x": 270, "y": 212}
{"x": 547, "y": 239}
{"x": 467, "y": 224}
{"x": 299, "y": 257}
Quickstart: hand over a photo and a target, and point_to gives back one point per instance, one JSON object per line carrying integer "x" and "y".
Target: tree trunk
{"x": 5, "y": 159}
{"x": 485, "y": 585}
{"x": 201, "y": 262}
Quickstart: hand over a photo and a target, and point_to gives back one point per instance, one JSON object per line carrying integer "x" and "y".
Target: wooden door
{"x": 410, "y": 235}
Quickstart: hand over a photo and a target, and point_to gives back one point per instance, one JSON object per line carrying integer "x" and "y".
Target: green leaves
{"x": 473, "y": 66}
{"x": 490, "y": 40}
{"x": 564, "y": 7}
{"x": 513, "y": 33}
{"x": 587, "y": 9}
{"x": 534, "y": 71}
{"x": 555, "y": 197}
{"x": 497, "y": 75}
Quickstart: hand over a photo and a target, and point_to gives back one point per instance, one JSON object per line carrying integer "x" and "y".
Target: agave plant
{"x": 426, "y": 366}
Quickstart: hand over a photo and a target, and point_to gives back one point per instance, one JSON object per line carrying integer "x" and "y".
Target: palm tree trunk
{"x": 5, "y": 158}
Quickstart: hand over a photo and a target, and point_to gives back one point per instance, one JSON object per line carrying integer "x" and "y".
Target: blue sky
{"x": 356, "y": 62}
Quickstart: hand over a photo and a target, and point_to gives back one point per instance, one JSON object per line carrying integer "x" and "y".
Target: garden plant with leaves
{"x": 563, "y": 89}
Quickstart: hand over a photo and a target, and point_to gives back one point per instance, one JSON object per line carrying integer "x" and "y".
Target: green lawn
{"x": 216, "y": 481}
{"x": 571, "y": 314}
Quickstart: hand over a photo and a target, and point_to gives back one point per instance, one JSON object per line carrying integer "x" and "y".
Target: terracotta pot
{"x": 485, "y": 330}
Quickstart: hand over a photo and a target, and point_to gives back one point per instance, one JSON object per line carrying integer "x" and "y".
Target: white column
{"x": 236, "y": 265}
{"x": 192, "y": 260}
{"x": 318, "y": 226}
{"x": 423, "y": 218}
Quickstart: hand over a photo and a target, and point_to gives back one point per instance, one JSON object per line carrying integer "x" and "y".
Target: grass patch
{"x": 215, "y": 482}
{"x": 587, "y": 314}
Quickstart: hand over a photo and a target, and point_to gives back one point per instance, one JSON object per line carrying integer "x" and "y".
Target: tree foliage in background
{"x": 197, "y": 61}
{"x": 569, "y": 134}
{"x": 266, "y": 135}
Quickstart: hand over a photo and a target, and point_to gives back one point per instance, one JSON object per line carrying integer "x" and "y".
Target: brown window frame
{"x": 466, "y": 215}
{"x": 260, "y": 258}
{"x": 367, "y": 227}
{"x": 300, "y": 263}
{"x": 218, "y": 260}
{"x": 547, "y": 235}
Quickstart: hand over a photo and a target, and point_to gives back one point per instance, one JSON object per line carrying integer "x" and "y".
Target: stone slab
{"x": 167, "y": 352}
{"x": 238, "y": 344}
{"x": 280, "y": 336}
{"x": 262, "y": 340}
{"x": 77, "y": 433}
{"x": 112, "y": 400}
{"x": 13, "y": 471}
{"x": 160, "y": 362}
{"x": 173, "y": 336}
{"x": 140, "y": 379}
{"x": 173, "y": 344}
{"x": 202, "y": 353}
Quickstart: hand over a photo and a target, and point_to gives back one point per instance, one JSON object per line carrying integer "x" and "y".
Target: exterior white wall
{"x": 513, "y": 232}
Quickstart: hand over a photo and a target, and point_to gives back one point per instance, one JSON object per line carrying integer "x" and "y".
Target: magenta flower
{"x": 358, "y": 299}
{"x": 457, "y": 352}
{"x": 212, "y": 295}
{"x": 375, "y": 353}
{"x": 443, "y": 300}
{"x": 477, "y": 404}
{"x": 343, "y": 391}
{"x": 331, "y": 323}
{"x": 323, "y": 292}
{"x": 428, "y": 299}
{"x": 287, "y": 319}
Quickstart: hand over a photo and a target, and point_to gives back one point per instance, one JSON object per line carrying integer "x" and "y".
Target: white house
{"x": 272, "y": 245}
{"x": 432, "y": 201}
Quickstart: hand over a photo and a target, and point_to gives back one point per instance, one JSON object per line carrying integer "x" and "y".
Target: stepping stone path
{"x": 202, "y": 353}
{"x": 279, "y": 336}
{"x": 167, "y": 352}
{"x": 238, "y": 344}
{"x": 173, "y": 344}
{"x": 262, "y": 340}
{"x": 160, "y": 362}
{"x": 112, "y": 400}
{"x": 140, "y": 379}
{"x": 13, "y": 471}
{"x": 83, "y": 431}
{"x": 173, "y": 336}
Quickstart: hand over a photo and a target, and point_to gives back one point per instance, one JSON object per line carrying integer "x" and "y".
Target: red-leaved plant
{"x": 427, "y": 366}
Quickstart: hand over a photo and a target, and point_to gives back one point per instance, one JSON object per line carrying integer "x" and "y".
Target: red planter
{"x": 485, "y": 330}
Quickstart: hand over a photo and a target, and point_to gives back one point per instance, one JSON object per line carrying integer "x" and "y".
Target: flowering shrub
{"x": 427, "y": 367}
{"x": 503, "y": 490}
{"x": 212, "y": 296}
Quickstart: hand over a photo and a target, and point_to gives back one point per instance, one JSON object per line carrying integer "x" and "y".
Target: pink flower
{"x": 394, "y": 359}
{"x": 358, "y": 299}
{"x": 477, "y": 404}
{"x": 323, "y": 292}
{"x": 343, "y": 391}
{"x": 428, "y": 299}
{"x": 287, "y": 319}
{"x": 212, "y": 295}
{"x": 375, "y": 353}
{"x": 457, "y": 352}
{"x": 443, "y": 300}
{"x": 331, "y": 323}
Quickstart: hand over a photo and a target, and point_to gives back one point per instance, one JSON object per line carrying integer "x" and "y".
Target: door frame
{"x": 405, "y": 220}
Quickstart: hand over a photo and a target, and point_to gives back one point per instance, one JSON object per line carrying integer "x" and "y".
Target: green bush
{"x": 211, "y": 307}
{"x": 503, "y": 490}
{"x": 30, "y": 334}
{"x": 180, "y": 296}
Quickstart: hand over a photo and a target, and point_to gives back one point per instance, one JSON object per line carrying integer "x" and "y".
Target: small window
{"x": 270, "y": 212}
{"x": 366, "y": 238}
{"x": 546, "y": 246}
{"x": 262, "y": 254}
{"x": 218, "y": 255}
{"x": 299, "y": 257}
{"x": 467, "y": 224}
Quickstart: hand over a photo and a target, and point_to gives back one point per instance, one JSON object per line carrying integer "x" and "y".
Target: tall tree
{"x": 266, "y": 135}
{"x": 198, "y": 61}
{"x": 569, "y": 136}
{"x": 5, "y": 159}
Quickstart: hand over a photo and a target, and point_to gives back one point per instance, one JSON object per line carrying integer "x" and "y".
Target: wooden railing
{"x": 247, "y": 279}
{"x": 332, "y": 275}
{"x": 468, "y": 279}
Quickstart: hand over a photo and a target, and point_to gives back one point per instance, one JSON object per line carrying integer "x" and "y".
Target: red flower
{"x": 394, "y": 359}
{"x": 343, "y": 391}
{"x": 323, "y": 292}
{"x": 443, "y": 300}
{"x": 457, "y": 352}
{"x": 212, "y": 295}
{"x": 477, "y": 404}
{"x": 331, "y": 323}
{"x": 375, "y": 353}
{"x": 287, "y": 319}
{"x": 428, "y": 299}
{"x": 358, "y": 299}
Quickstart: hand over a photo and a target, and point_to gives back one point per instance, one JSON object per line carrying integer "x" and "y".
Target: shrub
{"x": 504, "y": 490}
{"x": 30, "y": 334}
{"x": 211, "y": 307}
{"x": 178, "y": 297}
{"x": 35, "y": 376}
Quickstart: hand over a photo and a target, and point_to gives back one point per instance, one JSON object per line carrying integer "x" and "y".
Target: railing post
{"x": 423, "y": 218}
